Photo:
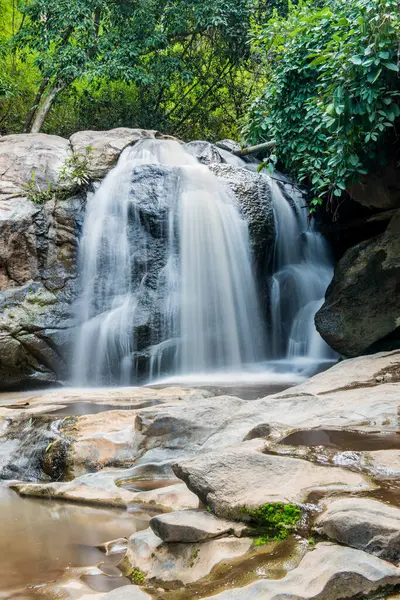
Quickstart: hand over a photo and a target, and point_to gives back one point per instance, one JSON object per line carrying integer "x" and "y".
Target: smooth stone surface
{"x": 23, "y": 154}
{"x": 362, "y": 523}
{"x": 192, "y": 526}
{"x": 106, "y": 146}
{"x": 101, "y": 489}
{"x": 242, "y": 476}
{"x": 362, "y": 306}
{"x": 179, "y": 562}
{"x": 327, "y": 573}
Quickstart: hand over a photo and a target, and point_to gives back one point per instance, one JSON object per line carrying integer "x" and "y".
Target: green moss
{"x": 137, "y": 576}
{"x": 195, "y": 555}
{"x": 274, "y": 519}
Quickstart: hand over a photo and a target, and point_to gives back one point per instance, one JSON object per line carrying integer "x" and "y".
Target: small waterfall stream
{"x": 302, "y": 271}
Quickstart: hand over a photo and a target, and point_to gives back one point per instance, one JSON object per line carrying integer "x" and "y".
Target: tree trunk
{"x": 42, "y": 110}
{"x": 254, "y": 149}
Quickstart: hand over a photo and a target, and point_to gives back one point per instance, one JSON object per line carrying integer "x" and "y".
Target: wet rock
{"x": 365, "y": 524}
{"x": 192, "y": 526}
{"x": 254, "y": 197}
{"x": 106, "y": 146}
{"x": 242, "y": 476}
{"x": 362, "y": 307}
{"x": 205, "y": 152}
{"x": 187, "y": 562}
{"x": 327, "y": 573}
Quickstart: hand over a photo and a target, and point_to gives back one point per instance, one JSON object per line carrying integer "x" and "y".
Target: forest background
{"x": 317, "y": 78}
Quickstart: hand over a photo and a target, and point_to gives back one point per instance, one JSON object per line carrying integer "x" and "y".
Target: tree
{"x": 150, "y": 43}
{"x": 333, "y": 90}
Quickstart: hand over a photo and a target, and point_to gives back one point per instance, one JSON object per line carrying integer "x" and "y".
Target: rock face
{"x": 364, "y": 524}
{"x": 327, "y": 573}
{"x": 244, "y": 477}
{"x": 362, "y": 306}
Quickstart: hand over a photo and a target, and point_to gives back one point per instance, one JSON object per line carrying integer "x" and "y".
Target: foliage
{"x": 333, "y": 90}
{"x": 276, "y": 519}
{"x": 35, "y": 193}
{"x": 75, "y": 169}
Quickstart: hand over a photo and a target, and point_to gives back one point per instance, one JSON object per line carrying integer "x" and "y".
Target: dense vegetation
{"x": 318, "y": 77}
{"x": 332, "y": 91}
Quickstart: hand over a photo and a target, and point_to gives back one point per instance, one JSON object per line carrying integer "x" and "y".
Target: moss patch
{"x": 275, "y": 520}
{"x": 137, "y": 576}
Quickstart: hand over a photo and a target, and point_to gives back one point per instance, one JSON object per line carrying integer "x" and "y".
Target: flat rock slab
{"x": 242, "y": 476}
{"x": 186, "y": 563}
{"x": 365, "y": 524}
{"x": 327, "y": 573}
{"x": 101, "y": 489}
{"x": 192, "y": 526}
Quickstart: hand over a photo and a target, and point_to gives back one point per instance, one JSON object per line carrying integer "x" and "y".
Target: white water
{"x": 302, "y": 272}
{"x": 202, "y": 302}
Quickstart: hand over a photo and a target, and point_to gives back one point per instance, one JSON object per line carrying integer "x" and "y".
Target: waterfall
{"x": 166, "y": 283}
{"x": 302, "y": 270}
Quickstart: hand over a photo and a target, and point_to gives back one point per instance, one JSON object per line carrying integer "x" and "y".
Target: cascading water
{"x": 165, "y": 272}
{"x": 302, "y": 272}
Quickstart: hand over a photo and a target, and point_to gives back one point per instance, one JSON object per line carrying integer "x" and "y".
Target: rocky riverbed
{"x": 293, "y": 494}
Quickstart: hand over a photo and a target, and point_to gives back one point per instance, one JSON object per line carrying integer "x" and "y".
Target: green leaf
{"x": 391, "y": 66}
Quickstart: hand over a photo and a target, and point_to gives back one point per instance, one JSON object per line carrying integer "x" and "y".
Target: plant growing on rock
{"x": 137, "y": 576}
{"x": 274, "y": 519}
{"x": 35, "y": 193}
{"x": 75, "y": 169}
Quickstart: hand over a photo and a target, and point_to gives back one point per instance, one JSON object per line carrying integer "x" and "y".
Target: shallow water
{"x": 356, "y": 441}
{"x": 39, "y": 540}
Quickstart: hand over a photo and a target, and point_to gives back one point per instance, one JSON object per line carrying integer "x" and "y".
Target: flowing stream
{"x": 166, "y": 278}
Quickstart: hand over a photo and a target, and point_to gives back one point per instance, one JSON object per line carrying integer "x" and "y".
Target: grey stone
{"x": 192, "y": 526}
{"x": 363, "y": 523}
{"x": 205, "y": 152}
{"x": 106, "y": 146}
{"x": 327, "y": 573}
{"x": 362, "y": 307}
{"x": 240, "y": 476}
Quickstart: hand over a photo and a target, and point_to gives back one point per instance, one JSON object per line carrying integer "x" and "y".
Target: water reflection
{"x": 40, "y": 539}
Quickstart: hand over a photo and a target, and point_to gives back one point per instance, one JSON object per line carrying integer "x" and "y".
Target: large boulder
{"x": 362, "y": 307}
{"x": 240, "y": 479}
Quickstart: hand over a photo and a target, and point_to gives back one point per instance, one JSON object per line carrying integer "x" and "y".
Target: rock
{"x": 190, "y": 526}
{"x": 365, "y": 524}
{"x": 354, "y": 374}
{"x": 380, "y": 189}
{"x": 38, "y": 248}
{"x": 205, "y": 152}
{"x": 254, "y": 197}
{"x": 186, "y": 562}
{"x": 362, "y": 306}
{"x": 327, "y": 573}
{"x": 242, "y": 476}
{"x": 172, "y": 497}
{"x": 106, "y": 146}
{"x": 31, "y": 157}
